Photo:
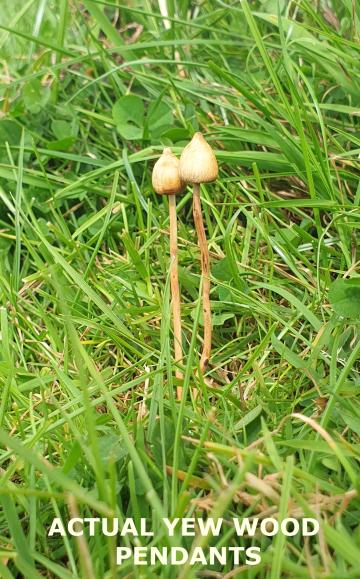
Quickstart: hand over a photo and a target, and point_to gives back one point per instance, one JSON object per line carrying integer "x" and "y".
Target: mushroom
{"x": 198, "y": 165}
{"x": 166, "y": 181}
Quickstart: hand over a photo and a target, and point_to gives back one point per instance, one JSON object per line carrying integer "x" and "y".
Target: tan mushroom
{"x": 198, "y": 164}
{"x": 166, "y": 181}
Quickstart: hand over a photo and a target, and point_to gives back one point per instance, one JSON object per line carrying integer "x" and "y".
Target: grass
{"x": 89, "y": 423}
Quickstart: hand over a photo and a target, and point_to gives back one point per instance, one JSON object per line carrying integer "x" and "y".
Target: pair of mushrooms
{"x": 197, "y": 165}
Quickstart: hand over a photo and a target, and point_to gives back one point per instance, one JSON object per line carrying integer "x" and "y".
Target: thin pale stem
{"x": 175, "y": 291}
{"x": 205, "y": 270}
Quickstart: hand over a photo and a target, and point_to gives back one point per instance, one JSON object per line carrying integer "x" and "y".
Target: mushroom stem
{"x": 175, "y": 291}
{"x": 205, "y": 270}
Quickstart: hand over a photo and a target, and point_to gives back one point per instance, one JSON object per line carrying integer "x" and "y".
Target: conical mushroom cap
{"x": 198, "y": 163}
{"x": 165, "y": 176}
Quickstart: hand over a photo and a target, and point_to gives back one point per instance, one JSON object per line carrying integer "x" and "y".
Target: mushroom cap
{"x": 165, "y": 176}
{"x": 198, "y": 163}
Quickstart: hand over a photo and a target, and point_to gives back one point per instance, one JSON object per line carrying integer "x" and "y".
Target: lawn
{"x": 90, "y": 426}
